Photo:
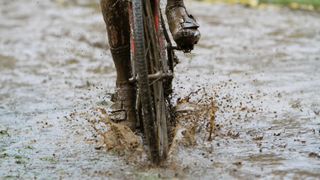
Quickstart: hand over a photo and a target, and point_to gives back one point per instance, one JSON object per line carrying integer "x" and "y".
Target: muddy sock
{"x": 121, "y": 59}
{"x": 116, "y": 17}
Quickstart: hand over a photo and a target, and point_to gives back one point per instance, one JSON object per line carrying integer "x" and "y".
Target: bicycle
{"x": 153, "y": 61}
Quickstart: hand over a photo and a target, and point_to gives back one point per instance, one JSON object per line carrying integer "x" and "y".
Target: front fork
{"x": 168, "y": 57}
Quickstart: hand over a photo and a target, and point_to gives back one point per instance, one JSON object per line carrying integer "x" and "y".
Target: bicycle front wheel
{"x": 149, "y": 69}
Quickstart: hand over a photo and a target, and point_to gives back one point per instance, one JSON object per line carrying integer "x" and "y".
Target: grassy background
{"x": 294, "y": 4}
{"x": 315, "y": 3}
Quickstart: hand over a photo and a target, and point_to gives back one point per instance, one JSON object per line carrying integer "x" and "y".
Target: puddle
{"x": 260, "y": 68}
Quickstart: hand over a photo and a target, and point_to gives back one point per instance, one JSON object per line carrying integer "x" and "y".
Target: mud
{"x": 259, "y": 66}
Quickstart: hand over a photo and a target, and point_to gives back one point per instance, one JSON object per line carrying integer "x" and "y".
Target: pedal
{"x": 185, "y": 49}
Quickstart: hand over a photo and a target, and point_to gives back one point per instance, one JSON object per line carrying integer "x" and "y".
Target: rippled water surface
{"x": 260, "y": 66}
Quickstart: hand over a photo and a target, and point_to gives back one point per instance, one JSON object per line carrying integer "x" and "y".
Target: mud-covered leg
{"x": 116, "y": 17}
{"x": 182, "y": 25}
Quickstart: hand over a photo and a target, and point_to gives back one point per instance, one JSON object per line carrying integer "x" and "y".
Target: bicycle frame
{"x": 159, "y": 23}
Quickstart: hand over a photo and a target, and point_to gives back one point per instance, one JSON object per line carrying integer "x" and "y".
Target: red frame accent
{"x": 156, "y": 15}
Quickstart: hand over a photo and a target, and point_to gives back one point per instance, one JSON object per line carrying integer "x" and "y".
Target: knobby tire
{"x": 151, "y": 94}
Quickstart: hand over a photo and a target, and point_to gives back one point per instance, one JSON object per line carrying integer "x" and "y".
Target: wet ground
{"x": 261, "y": 66}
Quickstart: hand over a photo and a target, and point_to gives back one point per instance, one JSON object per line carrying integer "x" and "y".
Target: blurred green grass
{"x": 293, "y": 4}
{"x": 286, "y": 2}
{"x": 315, "y": 3}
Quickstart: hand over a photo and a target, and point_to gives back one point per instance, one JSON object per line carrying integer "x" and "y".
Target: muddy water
{"x": 261, "y": 67}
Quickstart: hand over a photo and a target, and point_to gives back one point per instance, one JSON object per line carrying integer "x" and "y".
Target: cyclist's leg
{"x": 183, "y": 26}
{"x": 116, "y": 17}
